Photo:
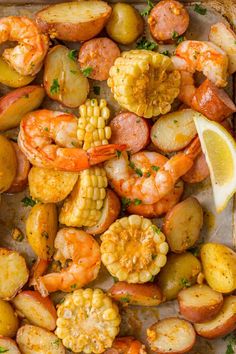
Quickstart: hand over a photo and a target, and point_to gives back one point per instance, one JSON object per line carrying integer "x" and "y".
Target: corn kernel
{"x": 108, "y": 132}
{"x": 160, "y": 260}
{"x": 164, "y": 248}
{"x": 135, "y": 220}
{"x": 105, "y": 112}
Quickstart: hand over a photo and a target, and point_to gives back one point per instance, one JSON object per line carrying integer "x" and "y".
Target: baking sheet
{"x": 217, "y": 228}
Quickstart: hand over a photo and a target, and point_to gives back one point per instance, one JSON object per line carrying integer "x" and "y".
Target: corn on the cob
{"x": 84, "y": 206}
{"x": 133, "y": 249}
{"x": 92, "y": 125}
{"x": 144, "y": 82}
{"x": 87, "y": 321}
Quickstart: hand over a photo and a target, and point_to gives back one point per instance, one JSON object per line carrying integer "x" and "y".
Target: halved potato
{"x": 15, "y": 104}
{"x": 8, "y": 320}
{"x": 110, "y": 212}
{"x": 38, "y": 310}
{"x": 8, "y": 346}
{"x": 174, "y": 131}
{"x": 182, "y": 225}
{"x": 222, "y": 324}
{"x": 8, "y": 164}
{"x": 74, "y": 21}
{"x": 10, "y": 77}
{"x": 14, "y": 273}
{"x": 63, "y": 80}
{"x": 199, "y": 303}
{"x": 56, "y": 184}
{"x": 33, "y": 340}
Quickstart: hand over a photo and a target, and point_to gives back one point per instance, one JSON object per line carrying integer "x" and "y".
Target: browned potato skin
{"x": 8, "y": 343}
{"x": 205, "y": 309}
{"x": 8, "y": 164}
{"x": 148, "y": 294}
{"x": 8, "y": 320}
{"x": 10, "y": 77}
{"x": 182, "y": 225}
{"x": 73, "y": 32}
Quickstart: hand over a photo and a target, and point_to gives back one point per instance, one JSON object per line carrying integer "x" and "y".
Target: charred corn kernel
{"x": 94, "y": 323}
{"x": 131, "y": 250}
{"x": 144, "y": 82}
{"x": 92, "y": 124}
{"x": 84, "y": 205}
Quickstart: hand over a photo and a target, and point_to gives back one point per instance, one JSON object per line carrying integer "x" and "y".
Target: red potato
{"x": 8, "y": 345}
{"x": 199, "y": 303}
{"x": 129, "y": 129}
{"x": 99, "y": 54}
{"x": 171, "y": 335}
{"x": 23, "y": 167}
{"x": 212, "y": 102}
{"x": 147, "y": 294}
{"x": 38, "y": 310}
{"x": 166, "y": 18}
{"x": 222, "y": 324}
{"x": 199, "y": 170}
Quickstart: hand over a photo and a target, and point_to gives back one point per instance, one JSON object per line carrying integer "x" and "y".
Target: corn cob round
{"x": 87, "y": 321}
{"x": 144, "y": 82}
{"x": 84, "y": 205}
{"x": 92, "y": 124}
{"x": 133, "y": 249}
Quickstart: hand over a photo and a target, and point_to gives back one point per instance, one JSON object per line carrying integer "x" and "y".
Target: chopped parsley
{"x": 3, "y": 350}
{"x": 177, "y": 38}
{"x": 45, "y": 234}
{"x": 56, "y": 343}
{"x": 55, "y": 87}
{"x": 152, "y": 279}
{"x": 137, "y": 201}
{"x": 147, "y": 174}
{"x": 96, "y": 90}
{"x": 138, "y": 171}
{"x": 154, "y": 256}
{"x": 125, "y": 299}
{"x": 195, "y": 250}
{"x": 73, "y": 71}
{"x": 125, "y": 202}
{"x": 156, "y": 229}
{"x": 200, "y": 10}
{"x": 166, "y": 52}
{"x": 155, "y": 168}
{"x": 143, "y": 43}
{"x": 46, "y": 129}
{"x": 118, "y": 153}
{"x": 115, "y": 279}
{"x": 74, "y": 286}
{"x": 87, "y": 71}
{"x": 185, "y": 282}
{"x": 231, "y": 338}
{"x": 147, "y": 9}
{"x": 28, "y": 201}
{"x": 72, "y": 54}
{"x": 175, "y": 121}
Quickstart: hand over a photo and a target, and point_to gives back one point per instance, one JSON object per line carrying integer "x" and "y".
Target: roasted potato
{"x": 8, "y": 164}
{"x": 8, "y": 320}
{"x": 182, "y": 224}
{"x": 10, "y": 77}
{"x": 41, "y": 229}
{"x": 56, "y": 184}
{"x": 7, "y": 345}
{"x": 171, "y": 335}
{"x": 33, "y": 340}
{"x": 74, "y": 21}
{"x": 174, "y": 131}
{"x": 136, "y": 294}
{"x": 63, "y": 80}
{"x": 199, "y": 303}
{"x": 219, "y": 267}
{"x": 15, "y": 104}
{"x": 14, "y": 273}
{"x": 222, "y": 324}
{"x": 125, "y": 24}
{"x": 180, "y": 271}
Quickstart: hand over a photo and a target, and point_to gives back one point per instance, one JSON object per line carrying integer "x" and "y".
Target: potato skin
{"x": 11, "y": 78}
{"x": 179, "y": 271}
{"x": 10, "y": 344}
{"x": 41, "y": 229}
{"x": 8, "y": 320}
{"x": 219, "y": 267}
{"x": 8, "y": 164}
{"x": 136, "y": 294}
{"x": 125, "y": 24}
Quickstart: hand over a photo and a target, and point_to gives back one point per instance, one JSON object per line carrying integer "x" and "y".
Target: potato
{"x": 199, "y": 303}
{"x": 182, "y": 224}
{"x": 180, "y": 271}
{"x": 41, "y": 229}
{"x": 174, "y": 131}
{"x": 63, "y": 80}
{"x": 7, "y": 345}
{"x": 8, "y": 320}
{"x": 15, "y": 104}
{"x": 74, "y": 21}
{"x": 38, "y": 310}
{"x": 125, "y": 24}
{"x": 222, "y": 324}
{"x": 14, "y": 273}
{"x": 56, "y": 184}
{"x": 33, "y": 340}
{"x": 110, "y": 213}
{"x": 136, "y": 294}
{"x": 8, "y": 164}
{"x": 219, "y": 267}
{"x": 10, "y": 77}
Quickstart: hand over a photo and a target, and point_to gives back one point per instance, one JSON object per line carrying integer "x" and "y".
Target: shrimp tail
{"x": 103, "y": 153}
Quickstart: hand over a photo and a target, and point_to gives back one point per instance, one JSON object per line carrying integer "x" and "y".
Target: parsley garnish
{"x": 125, "y": 202}
{"x": 175, "y": 121}
{"x": 177, "y": 38}
{"x": 137, "y": 201}
{"x": 156, "y": 229}
{"x": 55, "y": 87}
{"x": 154, "y": 256}
{"x": 56, "y": 343}
{"x": 86, "y": 72}
{"x": 147, "y": 9}
{"x": 155, "y": 168}
{"x": 200, "y": 10}
{"x": 45, "y": 234}
{"x": 46, "y": 129}
{"x": 232, "y": 342}
{"x": 118, "y": 153}
{"x": 143, "y": 43}
{"x": 96, "y": 90}
{"x": 166, "y": 52}
{"x": 73, "y": 71}
{"x": 138, "y": 171}
{"x": 185, "y": 282}
{"x": 72, "y": 54}
{"x": 3, "y": 350}
{"x": 74, "y": 286}
{"x": 28, "y": 201}
{"x": 152, "y": 279}
{"x": 125, "y": 299}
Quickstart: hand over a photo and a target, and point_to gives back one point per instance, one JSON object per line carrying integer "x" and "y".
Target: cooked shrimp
{"x": 149, "y": 176}
{"x": 202, "y": 56}
{"x": 84, "y": 253}
{"x": 126, "y": 345}
{"x": 27, "y": 57}
{"x": 39, "y": 129}
{"x": 38, "y": 269}
{"x": 187, "y": 88}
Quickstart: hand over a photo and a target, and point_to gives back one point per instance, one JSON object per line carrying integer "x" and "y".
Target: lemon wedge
{"x": 219, "y": 148}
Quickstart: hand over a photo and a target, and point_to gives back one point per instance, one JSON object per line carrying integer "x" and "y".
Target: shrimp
{"x": 126, "y": 345}
{"x": 187, "y": 88}
{"x": 83, "y": 251}
{"x": 149, "y": 176}
{"x": 202, "y": 56}
{"x": 40, "y": 128}
{"x": 27, "y": 57}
